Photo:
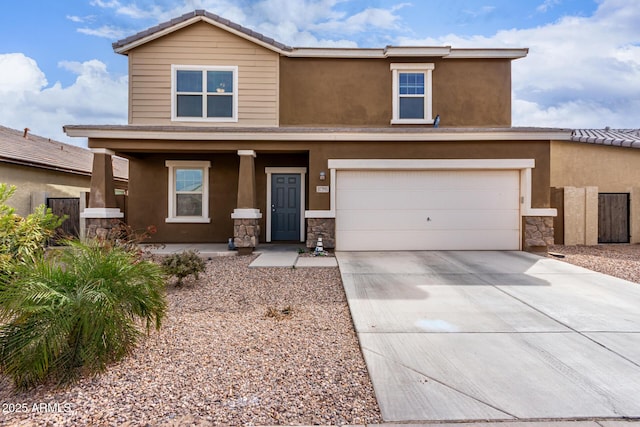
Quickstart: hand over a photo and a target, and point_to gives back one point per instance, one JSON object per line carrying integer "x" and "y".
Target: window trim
{"x": 172, "y": 165}
{"x": 204, "y": 68}
{"x": 427, "y": 70}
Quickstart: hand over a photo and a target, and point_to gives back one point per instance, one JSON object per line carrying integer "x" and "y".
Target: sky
{"x": 57, "y": 65}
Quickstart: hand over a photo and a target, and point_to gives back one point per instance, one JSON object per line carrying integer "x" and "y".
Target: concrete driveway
{"x": 494, "y": 336}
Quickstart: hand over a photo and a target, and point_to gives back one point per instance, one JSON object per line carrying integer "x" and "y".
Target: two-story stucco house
{"x": 232, "y": 134}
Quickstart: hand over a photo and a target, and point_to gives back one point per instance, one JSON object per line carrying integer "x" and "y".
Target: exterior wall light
{"x": 323, "y": 175}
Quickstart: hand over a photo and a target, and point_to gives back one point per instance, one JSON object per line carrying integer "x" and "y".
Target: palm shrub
{"x": 23, "y": 239}
{"x": 77, "y": 312}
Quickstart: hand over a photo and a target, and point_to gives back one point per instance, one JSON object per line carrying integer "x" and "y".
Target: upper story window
{"x": 412, "y": 93}
{"x": 206, "y": 93}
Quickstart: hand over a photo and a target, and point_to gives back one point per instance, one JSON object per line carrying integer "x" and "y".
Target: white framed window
{"x": 188, "y": 191}
{"x": 412, "y": 93}
{"x": 204, "y": 93}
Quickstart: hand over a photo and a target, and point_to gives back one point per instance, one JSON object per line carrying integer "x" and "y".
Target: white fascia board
{"x": 487, "y": 53}
{"x": 430, "y": 164}
{"x": 321, "y": 136}
{"x": 388, "y": 52}
{"x": 435, "y": 51}
{"x": 310, "y": 52}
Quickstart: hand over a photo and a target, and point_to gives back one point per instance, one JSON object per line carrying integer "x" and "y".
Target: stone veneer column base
{"x": 325, "y": 227}
{"x": 101, "y": 228}
{"x": 246, "y": 234}
{"x": 538, "y": 233}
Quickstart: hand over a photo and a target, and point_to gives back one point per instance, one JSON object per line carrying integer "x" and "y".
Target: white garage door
{"x": 428, "y": 210}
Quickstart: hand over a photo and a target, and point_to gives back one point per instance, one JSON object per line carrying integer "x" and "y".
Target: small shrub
{"x": 280, "y": 313}
{"x": 75, "y": 312}
{"x": 181, "y": 265}
{"x": 123, "y": 236}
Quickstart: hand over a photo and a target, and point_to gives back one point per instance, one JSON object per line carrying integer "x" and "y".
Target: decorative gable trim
{"x": 125, "y": 45}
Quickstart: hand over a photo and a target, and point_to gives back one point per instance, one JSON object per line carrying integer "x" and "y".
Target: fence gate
{"x": 69, "y": 206}
{"x": 613, "y": 218}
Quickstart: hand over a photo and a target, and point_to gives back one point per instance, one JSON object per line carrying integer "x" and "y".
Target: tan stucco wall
{"x": 40, "y": 182}
{"x": 580, "y": 216}
{"x": 202, "y": 44}
{"x": 149, "y": 179}
{"x": 358, "y": 92}
{"x": 609, "y": 169}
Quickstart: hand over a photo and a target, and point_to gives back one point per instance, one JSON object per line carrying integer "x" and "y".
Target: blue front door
{"x": 285, "y": 207}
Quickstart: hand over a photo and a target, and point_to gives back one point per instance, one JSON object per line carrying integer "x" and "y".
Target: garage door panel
{"x": 467, "y": 209}
{"x": 428, "y": 240}
{"x": 429, "y": 220}
{"x": 427, "y": 199}
{"x": 382, "y": 180}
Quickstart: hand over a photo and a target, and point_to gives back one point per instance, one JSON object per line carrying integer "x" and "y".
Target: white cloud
{"x": 95, "y": 97}
{"x": 368, "y": 19}
{"x": 106, "y": 31}
{"x": 483, "y": 11}
{"x": 75, "y": 18}
{"x": 580, "y": 71}
{"x": 547, "y": 5}
{"x": 19, "y": 75}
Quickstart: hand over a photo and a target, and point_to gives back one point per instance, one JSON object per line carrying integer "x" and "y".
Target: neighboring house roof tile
{"x": 615, "y": 137}
{"x": 45, "y": 153}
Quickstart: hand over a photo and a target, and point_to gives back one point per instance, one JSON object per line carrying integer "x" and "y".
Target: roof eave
{"x": 125, "y": 45}
{"x": 508, "y": 134}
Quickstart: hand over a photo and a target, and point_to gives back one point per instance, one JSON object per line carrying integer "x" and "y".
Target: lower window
{"x": 188, "y": 191}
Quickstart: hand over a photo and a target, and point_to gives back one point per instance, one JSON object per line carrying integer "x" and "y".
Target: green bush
{"x": 76, "y": 312}
{"x": 183, "y": 264}
{"x": 23, "y": 239}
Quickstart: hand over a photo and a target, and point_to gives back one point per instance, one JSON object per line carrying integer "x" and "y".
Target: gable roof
{"x": 45, "y": 153}
{"x": 615, "y": 137}
{"x": 125, "y": 45}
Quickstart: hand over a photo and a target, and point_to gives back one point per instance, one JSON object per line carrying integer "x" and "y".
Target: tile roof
{"x": 45, "y": 153}
{"x": 203, "y": 13}
{"x": 615, "y": 137}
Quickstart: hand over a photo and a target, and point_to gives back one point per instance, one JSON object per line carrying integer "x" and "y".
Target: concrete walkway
{"x": 289, "y": 256}
{"x": 495, "y": 336}
{"x": 269, "y": 255}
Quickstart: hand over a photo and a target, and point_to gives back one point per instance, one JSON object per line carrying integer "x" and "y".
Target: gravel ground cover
{"x": 240, "y": 346}
{"x": 617, "y": 260}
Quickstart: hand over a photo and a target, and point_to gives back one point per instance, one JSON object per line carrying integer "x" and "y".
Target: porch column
{"x": 102, "y": 209}
{"x": 246, "y": 216}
